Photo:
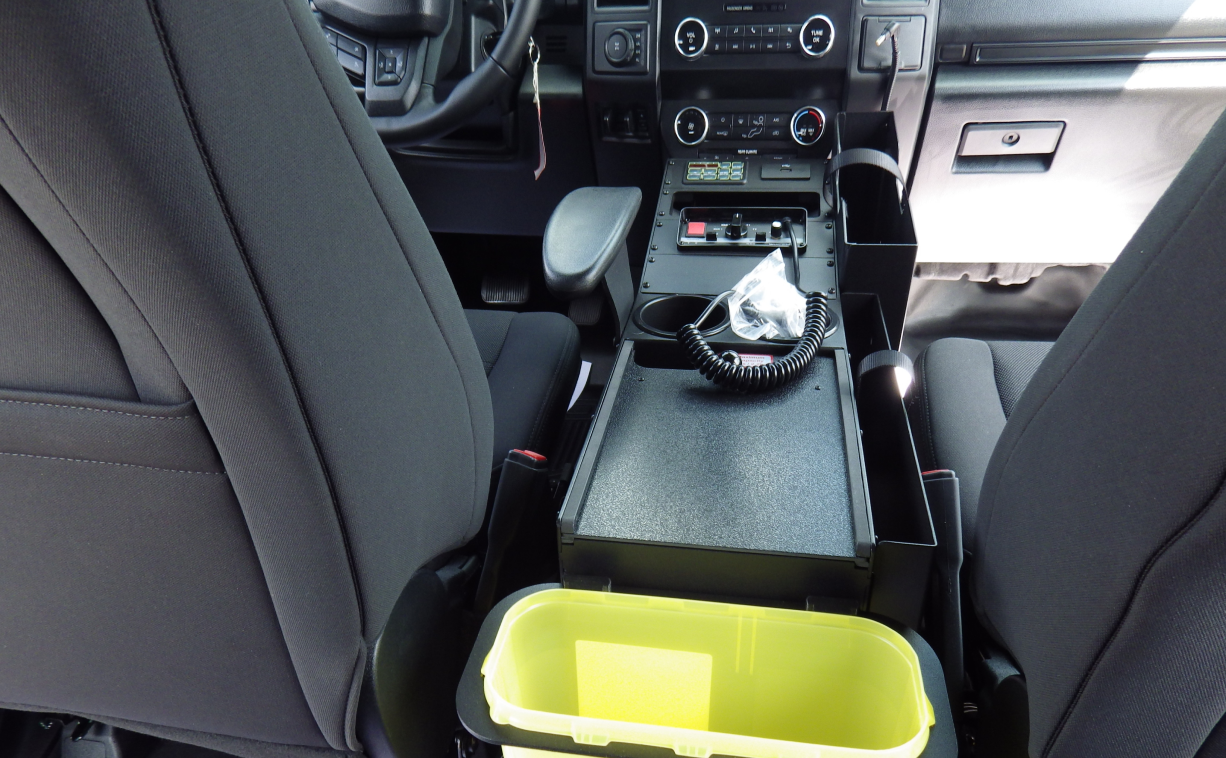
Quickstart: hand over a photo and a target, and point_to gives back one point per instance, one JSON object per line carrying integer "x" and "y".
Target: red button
{"x": 695, "y": 229}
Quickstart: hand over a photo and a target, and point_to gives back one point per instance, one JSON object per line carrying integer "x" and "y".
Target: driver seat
{"x": 241, "y": 407}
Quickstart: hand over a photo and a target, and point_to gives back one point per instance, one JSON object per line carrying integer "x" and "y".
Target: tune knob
{"x": 808, "y": 123}
{"x": 817, "y": 36}
{"x": 691, "y": 37}
{"x": 691, "y": 126}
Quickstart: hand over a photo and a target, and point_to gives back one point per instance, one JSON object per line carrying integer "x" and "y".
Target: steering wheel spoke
{"x": 396, "y": 75}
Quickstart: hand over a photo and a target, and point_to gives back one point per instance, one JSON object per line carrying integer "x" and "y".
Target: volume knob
{"x": 691, "y": 37}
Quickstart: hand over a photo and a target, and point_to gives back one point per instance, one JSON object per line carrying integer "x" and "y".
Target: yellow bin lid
{"x": 706, "y": 678}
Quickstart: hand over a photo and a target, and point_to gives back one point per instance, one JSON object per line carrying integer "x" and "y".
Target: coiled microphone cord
{"x": 726, "y": 370}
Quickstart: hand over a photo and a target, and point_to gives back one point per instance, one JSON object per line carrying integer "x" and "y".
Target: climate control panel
{"x": 693, "y": 126}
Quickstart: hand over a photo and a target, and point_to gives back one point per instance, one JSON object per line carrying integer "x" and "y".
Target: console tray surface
{"x": 683, "y": 462}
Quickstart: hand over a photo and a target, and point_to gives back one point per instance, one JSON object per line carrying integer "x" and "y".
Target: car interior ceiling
{"x": 340, "y": 337}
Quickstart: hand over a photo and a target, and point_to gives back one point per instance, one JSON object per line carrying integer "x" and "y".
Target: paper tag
{"x": 534, "y": 55}
{"x": 756, "y": 359}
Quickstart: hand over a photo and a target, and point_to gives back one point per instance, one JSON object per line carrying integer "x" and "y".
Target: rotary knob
{"x": 817, "y": 36}
{"x": 808, "y": 123}
{"x": 619, "y": 48}
{"x": 691, "y": 126}
{"x": 738, "y": 228}
{"x": 691, "y": 37}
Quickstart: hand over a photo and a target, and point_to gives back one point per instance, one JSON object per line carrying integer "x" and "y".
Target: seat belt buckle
{"x": 521, "y": 484}
{"x": 532, "y": 460}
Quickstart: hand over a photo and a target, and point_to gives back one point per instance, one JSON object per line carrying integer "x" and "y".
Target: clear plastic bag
{"x": 765, "y": 305}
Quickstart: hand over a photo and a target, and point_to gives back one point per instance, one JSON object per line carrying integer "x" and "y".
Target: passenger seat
{"x": 965, "y": 391}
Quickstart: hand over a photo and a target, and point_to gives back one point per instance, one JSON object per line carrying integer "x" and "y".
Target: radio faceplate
{"x": 799, "y": 34}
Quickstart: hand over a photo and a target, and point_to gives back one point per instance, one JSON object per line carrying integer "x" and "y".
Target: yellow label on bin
{"x": 643, "y": 684}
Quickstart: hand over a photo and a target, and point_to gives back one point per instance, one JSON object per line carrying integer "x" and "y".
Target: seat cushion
{"x": 965, "y": 391}
{"x": 532, "y": 362}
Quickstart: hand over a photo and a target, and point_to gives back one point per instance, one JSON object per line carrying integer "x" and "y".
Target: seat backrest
{"x": 239, "y": 401}
{"x": 1100, "y": 558}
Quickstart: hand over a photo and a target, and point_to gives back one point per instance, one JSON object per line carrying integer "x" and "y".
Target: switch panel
{"x": 620, "y": 47}
{"x": 740, "y": 228}
{"x": 390, "y": 63}
{"x": 624, "y": 123}
{"x": 874, "y": 57}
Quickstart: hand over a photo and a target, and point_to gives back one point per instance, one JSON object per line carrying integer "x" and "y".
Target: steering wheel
{"x": 404, "y": 112}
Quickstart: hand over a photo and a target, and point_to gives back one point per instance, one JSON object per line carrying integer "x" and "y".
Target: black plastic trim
{"x": 1207, "y": 48}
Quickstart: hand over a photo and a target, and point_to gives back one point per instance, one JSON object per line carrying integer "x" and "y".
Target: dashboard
{"x": 724, "y": 78}
{"x": 628, "y": 85}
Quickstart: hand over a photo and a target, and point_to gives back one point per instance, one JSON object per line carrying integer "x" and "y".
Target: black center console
{"x": 806, "y": 495}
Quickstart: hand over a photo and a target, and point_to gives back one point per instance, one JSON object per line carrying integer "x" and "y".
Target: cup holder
{"x": 665, "y": 316}
{"x": 832, "y": 326}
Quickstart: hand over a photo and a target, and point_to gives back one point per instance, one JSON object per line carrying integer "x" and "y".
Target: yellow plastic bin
{"x": 705, "y": 678}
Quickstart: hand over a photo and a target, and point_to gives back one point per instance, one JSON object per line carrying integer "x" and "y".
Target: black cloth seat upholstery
{"x": 532, "y": 363}
{"x": 1097, "y": 529}
{"x": 965, "y": 391}
{"x": 241, "y": 405}
{"x": 252, "y": 411}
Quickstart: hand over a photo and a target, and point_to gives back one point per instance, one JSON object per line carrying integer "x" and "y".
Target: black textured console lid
{"x": 683, "y": 462}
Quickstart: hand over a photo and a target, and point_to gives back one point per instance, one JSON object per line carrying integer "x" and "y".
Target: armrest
{"x": 584, "y": 236}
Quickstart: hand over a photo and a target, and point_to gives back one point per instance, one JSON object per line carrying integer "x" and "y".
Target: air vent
{"x": 556, "y": 44}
